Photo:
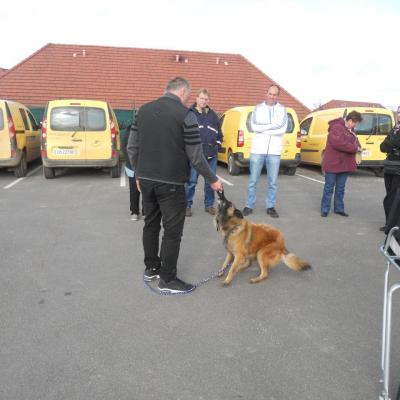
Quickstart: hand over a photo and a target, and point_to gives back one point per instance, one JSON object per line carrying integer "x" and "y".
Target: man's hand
{"x": 217, "y": 186}
{"x": 138, "y": 185}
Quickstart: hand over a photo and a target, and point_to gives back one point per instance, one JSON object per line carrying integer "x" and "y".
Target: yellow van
{"x": 80, "y": 133}
{"x": 376, "y": 124}
{"x": 236, "y": 145}
{"x": 19, "y": 137}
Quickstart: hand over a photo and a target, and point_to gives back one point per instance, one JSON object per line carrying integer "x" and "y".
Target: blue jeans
{"x": 190, "y": 187}
{"x": 272, "y": 163}
{"x": 337, "y": 182}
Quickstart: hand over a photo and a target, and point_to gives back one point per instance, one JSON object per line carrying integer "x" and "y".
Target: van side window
{"x": 34, "y": 124}
{"x": 24, "y": 118}
{"x": 248, "y": 121}
{"x": 305, "y": 126}
{"x": 95, "y": 119}
{"x": 290, "y": 123}
{"x": 384, "y": 124}
{"x": 1, "y": 120}
{"x": 367, "y": 126}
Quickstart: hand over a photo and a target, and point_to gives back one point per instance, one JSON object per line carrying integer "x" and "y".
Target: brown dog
{"x": 246, "y": 241}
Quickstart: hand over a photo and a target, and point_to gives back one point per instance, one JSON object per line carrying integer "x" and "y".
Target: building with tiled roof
{"x": 2, "y": 71}
{"x": 130, "y": 77}
{"x": 347, "y": 103}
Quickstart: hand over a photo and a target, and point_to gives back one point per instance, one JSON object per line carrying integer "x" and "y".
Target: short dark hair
{"x": 355, "y": 116}
{"x": 176, "y": 84}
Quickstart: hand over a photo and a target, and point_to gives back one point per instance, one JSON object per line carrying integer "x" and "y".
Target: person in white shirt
{"x": 269, "y": 123}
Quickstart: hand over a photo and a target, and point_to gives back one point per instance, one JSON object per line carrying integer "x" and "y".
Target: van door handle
{"x": 77, "y": 140}
{"x": 370, "y": 142}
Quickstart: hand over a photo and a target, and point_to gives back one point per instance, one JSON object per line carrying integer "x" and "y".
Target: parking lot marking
{"x": 13, "y": 183}
{"x": 311, "y": 179}
{"x": 225, "y": 181}
{"x": 122, "y": 181}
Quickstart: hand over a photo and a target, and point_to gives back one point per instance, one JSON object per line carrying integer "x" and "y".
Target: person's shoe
{"x": 175, "y": 286}
{"x": 342, "y": 213}
{"x": 382, "y": 228}
{"x": 324, "y": 214}
{"x": 150, "y": 274}
{"x": 247, "y": 211}
{"x": 272, "y": 212}
{"x": 210, "y": 210}
{"x": 189, "y": 212}
{"x": 135, "y": 217}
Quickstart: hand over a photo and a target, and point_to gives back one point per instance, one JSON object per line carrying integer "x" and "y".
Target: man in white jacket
{"x": 269, "y": 123}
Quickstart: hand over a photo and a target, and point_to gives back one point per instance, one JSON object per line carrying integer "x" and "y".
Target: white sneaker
{"x": 135, "y": 217}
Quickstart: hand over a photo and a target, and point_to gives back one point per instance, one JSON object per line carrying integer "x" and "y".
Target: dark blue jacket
{"x": 210, "y": 131}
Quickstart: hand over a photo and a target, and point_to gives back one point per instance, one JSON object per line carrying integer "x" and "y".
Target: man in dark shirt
{"x": 164, "y": 140}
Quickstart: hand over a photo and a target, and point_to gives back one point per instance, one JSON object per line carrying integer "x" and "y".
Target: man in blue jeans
{"x": 211, "y": 138}
{"x": 269, "y": 123}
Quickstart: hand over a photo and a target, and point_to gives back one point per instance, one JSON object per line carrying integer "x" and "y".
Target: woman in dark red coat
{"x": 339, "y": 160}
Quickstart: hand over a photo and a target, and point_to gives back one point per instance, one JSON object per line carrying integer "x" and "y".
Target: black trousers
{"x": 164, "y": 203}
{"x": 134, "y": 197}
{"x": 392, "y": 183}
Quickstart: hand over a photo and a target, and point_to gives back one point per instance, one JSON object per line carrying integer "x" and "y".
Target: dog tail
{"x": 294, "y": 262}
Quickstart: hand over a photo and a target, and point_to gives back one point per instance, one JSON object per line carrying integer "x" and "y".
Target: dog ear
{"x": 237, "y": 213}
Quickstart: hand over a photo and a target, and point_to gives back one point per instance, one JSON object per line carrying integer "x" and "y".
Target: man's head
{"x": 179, "y": 87}
{"x": 203, "y": 97}
{"x": 352, "y": 119}
{"x": 272, "y": 95}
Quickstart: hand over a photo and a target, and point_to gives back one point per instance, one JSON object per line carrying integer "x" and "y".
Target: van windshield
{"x": 77, "y": 119}
{"x": 289, "y": 129}
{"x": 374, "y": 124}
{"x": 1, "y": 120}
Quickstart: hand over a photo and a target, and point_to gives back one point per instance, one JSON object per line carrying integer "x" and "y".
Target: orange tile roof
{"x": 2, "y": 71}
{"x": 347, "y": 103}
{"x": 127, "y": 77}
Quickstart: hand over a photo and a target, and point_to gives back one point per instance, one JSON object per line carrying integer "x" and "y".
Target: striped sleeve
{"x": 191, "y": 132}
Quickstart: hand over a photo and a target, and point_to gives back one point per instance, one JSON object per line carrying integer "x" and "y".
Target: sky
{"x": 317, "y": 50}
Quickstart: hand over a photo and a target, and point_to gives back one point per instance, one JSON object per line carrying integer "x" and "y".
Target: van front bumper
{"x": 240, "y": 161}
{"x": 112, "y": 162}
{"x": 12, "y": 161}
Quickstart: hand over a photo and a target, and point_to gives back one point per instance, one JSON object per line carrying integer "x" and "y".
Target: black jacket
{"x": 391, "y": 146}
{"x": 210, "y": 131}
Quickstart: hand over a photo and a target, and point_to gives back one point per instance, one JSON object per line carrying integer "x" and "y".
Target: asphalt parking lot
{"x": 77, "y": 321}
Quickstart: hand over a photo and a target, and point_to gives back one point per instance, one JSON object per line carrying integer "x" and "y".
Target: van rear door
{"x": 98, "y": 133}
{"x": 5, "y": 147}
{"x": 65, "y": 132}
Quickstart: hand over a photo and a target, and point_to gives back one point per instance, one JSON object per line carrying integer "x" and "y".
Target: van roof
{"x": 341, "y": 110}
{"x": 249, "y": 108}
{"x": 72, "y": 102}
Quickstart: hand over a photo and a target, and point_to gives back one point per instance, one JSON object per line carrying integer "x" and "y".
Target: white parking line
{"x": 311, "y": 179}
{"x": 225, "y": 181}
{"x": 21, "y": 179}
{"x": 122, "y": 181}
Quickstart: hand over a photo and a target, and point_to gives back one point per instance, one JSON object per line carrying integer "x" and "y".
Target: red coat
{"x": 341, "y": 148}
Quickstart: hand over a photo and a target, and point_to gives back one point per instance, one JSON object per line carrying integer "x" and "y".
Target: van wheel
{"x": 49, "y": 173}
{"x": 22, "y": 168}
{"x": 378, "y": 172}
{"x": 291, "y": 171}
{"x": 233, "y": 169}
{"x": 116, "y": 171}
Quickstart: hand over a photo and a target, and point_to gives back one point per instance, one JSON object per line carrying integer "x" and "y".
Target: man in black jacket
{"x": 391, "y": 170}
{"x": 211, "y": 137}
{"x": 164, "y": 140}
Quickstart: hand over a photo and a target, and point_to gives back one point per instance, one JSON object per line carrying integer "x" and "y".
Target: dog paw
{"x": 226, "y": 283}
{"x": 254, "y": 280}
{"x": 220, "y": 273}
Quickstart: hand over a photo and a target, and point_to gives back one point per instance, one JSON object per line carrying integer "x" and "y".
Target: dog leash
{"x": 210, "y": 277}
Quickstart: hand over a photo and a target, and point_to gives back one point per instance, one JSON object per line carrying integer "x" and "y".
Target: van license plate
{"x": 66, "y": 152}
{"x": 366, "y": 153}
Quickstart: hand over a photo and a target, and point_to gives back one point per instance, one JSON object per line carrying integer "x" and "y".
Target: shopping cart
{"x": 391, "y": 251}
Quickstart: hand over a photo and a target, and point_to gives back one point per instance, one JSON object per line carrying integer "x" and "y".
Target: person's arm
{"x": 133, "y": 146}
{"x": 391, "y": 142}
{"x": 194, "y": 150}
{"x": 277, "y": 125}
